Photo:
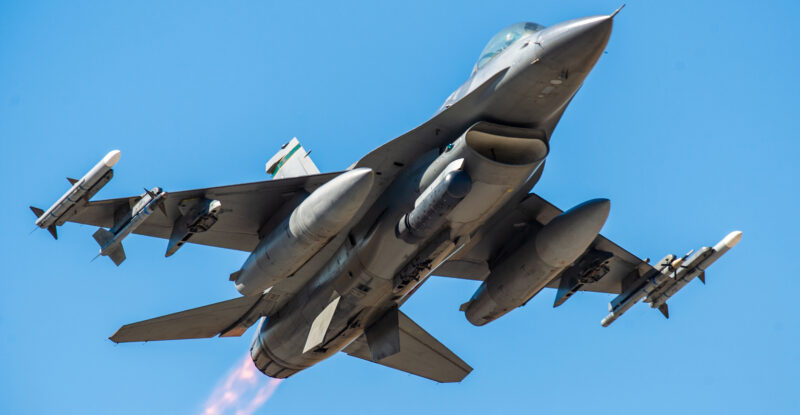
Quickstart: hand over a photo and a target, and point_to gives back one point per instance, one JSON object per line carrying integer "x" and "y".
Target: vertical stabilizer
{"x": 291, "y": 161}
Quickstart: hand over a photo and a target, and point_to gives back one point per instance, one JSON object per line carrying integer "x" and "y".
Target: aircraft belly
{"x": 375, "y": 269}
{"x": 483, "y": 198}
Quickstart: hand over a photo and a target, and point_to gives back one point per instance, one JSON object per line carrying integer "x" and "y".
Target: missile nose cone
{"x": 111, "y": 158}
{"x": 565, "y": 238}
{"x": 731, "y": 239}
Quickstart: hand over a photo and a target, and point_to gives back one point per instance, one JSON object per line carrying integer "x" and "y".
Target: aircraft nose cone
{"x": 577, "y": 44}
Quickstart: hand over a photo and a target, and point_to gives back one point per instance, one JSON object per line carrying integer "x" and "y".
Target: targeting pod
{"x": 431, "y": 208}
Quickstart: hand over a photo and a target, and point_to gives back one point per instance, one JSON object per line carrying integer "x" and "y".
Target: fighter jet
{"x": 334, "y": 256}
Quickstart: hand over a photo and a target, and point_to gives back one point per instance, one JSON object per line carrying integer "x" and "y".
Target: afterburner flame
{"x": 242, "y": 391}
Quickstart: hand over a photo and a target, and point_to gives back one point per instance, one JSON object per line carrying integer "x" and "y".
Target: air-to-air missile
{"x": 81, "y": 191}
{"x": 110, "y": 241}
{"x": 670, "y": 275}
{"x": 319, "y": 217}
{"x": 533, "y": 265}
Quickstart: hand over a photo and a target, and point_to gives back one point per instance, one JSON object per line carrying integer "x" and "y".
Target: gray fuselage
{"x": 374, "y": 270}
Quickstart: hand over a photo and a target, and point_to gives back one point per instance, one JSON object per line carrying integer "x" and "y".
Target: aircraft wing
{"x": 604, "y": 267}
{"x": 419, "y": 354}
{"x": 245, "y": 209}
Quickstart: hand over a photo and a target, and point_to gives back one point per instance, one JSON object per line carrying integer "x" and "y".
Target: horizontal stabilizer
{"x": 420, "y": 354}
{"x": 227, "y": 318}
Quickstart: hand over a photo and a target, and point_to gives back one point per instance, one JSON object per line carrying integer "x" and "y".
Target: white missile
{"x": 668, "y": 280}
{"x": 82, "y": 190}
{"x": 695, "y": 266}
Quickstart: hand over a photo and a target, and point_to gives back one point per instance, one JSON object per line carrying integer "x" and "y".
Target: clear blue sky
{"x": 688, "y": 124}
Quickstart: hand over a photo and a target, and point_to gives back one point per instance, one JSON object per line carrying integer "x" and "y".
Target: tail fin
{"x": 39, "y": 212}
{"x": 117, "y": 255}
{"x": 103, "y": 236}
{"x": 291, "y": 161}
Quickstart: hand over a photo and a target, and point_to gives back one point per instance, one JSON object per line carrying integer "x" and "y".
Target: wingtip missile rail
{"x": 81, "y": 191}
{"x": 669, "y": 276}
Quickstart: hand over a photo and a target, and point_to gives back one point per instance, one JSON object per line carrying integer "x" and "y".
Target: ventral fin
{"x": 316, "y": 335}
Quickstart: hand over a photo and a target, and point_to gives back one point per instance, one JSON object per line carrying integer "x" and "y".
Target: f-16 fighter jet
{"x": 334, "y": 256}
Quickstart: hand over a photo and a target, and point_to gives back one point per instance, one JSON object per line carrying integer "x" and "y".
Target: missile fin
{"x": 53, "y": 231}
{"x": 71, "y": 180}
{"x": 102, "y": 237}
{"x": 117, "y": 255}
{"x": 52, "y": 228}
{"x": 702, "y": 277}
{"x": 664, "y": 309}
{"x": 36, "y": 211}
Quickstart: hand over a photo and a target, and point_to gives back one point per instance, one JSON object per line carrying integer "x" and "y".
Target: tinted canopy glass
{"x": 505, "y": 38}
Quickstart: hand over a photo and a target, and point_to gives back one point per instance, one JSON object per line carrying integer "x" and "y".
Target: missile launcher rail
{"x": 668, "y": 277}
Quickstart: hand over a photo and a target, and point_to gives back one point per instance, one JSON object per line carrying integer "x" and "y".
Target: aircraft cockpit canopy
{"x": 504, "y": 39}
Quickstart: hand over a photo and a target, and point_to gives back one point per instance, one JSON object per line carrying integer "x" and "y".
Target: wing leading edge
{"x": 245, "y": 208}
